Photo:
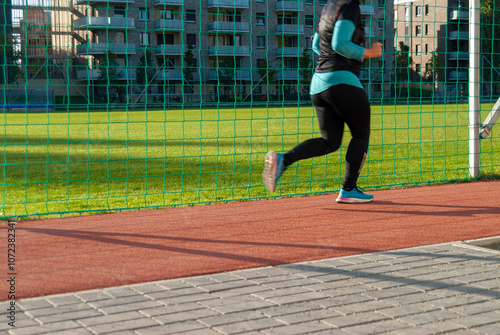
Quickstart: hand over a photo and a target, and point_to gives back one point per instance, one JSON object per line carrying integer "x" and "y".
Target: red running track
{"x": 89, "y": 252}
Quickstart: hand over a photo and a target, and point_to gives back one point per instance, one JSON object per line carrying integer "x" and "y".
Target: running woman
{"x": 338, "y": 98}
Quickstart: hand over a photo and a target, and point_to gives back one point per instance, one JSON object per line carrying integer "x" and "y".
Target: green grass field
{"x": 97, "y": 161}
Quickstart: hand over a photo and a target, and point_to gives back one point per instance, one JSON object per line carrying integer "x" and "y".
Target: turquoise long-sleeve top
{"x": 341, "y": 44}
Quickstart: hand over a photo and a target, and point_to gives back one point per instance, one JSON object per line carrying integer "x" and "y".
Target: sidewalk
{"x": 451, "y": 287}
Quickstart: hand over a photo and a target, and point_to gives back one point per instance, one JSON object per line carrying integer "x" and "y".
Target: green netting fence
{"x": 111, "y": 105}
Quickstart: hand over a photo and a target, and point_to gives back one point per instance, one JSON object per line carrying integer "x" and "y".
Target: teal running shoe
{"x": 353, "y": 196}
{"x": 273, "y": 170}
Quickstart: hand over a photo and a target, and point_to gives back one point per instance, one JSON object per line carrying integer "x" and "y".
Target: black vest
{"x": 329, "y": 60}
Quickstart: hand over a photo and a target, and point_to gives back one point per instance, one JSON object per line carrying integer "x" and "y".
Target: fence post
{"x": 474, "y": 84}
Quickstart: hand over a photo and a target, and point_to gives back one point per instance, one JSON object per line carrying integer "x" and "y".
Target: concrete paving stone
{"x": 329, "y": 278}
{"x": 186, "y": 316}
{"x": 478, "y": 276}
{"x": 118, "y": 301}
{"x": 348, "y": 290}
{"x": 229, "y": 301}
{"x": 224, "y": 277}
{"x": 382, "y": 327}
{"x": 115, "y": 318}
{"x": 93, "y": 295}
{"x": 77, "y": 331}
{"x": 432, "y": 285}
{"x": 480, "y": 307}
{"x": 344, "y": 300}
{"x": 131, "y": 307}
{"x": 399, "y": 311}
{"x": 225, "y": 286}
{"x": 273, "y": 279}
{"x": 224, "y": 319}
{"x": 304, "y": 328}
{"x": 173, "y": 284}
{"x": 181, "y": 292}
{"x": 318, "y": 287}
{"x": 172, "y": 309}
{"x": 243, "y": 306}
{"x": 453, "y": 291}
{"x": 388, "y": 282}
{"x": 418, "y": 320}
{"x": 301, "y": 307}
{"x": 441, "y": 327}
{"x": 250, "y": 273}
{"x": 362, "y": 306}
{"x": 4, "y": 325}
{"x": 488, "y": 329}
{"x": 281, "y": 292}
{"x": 75, "y": 315}
{"x": 392, "y": 292}
{"x": 48, "y": 328}
{"x": 294, "y": 298}
{"x": 123, "y": 326}
{"x": 199, "y": 281}
{"x": 64, "y": 299}
{"x": 244, "y": 291}
{"x": 301, "y": 282}
{"x": 459, "y": 300}
{"x": 120, "y": 292}
{"x": 148, "y": 288}
{"x": 278, "y": 271}
{"x": 34, "y": 303}
{"x": 355, "y": 319}
{"x": 57, "y": 310}
{"x": 422, "y": 274}
{"x": 306, "y": 316}
{"x": 187, "y": 298}
{"x": 477, "y": 320}
{"x": 488, "y": 284}
{"x": 248, "y": 326}
{"x": 171, "y": 328}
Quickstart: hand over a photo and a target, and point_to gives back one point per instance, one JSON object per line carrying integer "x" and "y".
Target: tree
{"x": 434, "y": 71}
{"x": 11, "y": 57}
{"x": 266, "y": 73}
{"x": 189, "y": 69}
{"x": 403, "y": 62}
{"x": 146, "y": 70}
{"x": 305, "y": 66}
{"x": 226, "y": 75}
{"x": 108, "y": 81}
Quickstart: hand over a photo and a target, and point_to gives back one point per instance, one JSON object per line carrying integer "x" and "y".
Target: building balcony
{"x": 367, "y": 9}
{"x": 238, "y": 51}
{"x": 458, "y": 75}
{"x": 290, "y": 6}
{"x": 103, "y": 48}
{"x": 289, "y": 29}
{"x": 237, "y": 4}
{"x": 238, "y": 74}
{"x": 459, "y": 35}
{"x": 458, "y": 55}
{"x": 170, "y": 74}
{"x": 170, "y": 50}
{"x": 230, "y": 27}
{"x": 94, "y": 22}
{"x": 288, "y": 75}
{"x": 289, "y": 52}
{"x": 92, "y": 2}
{"x": 459, "y": 14}
{"x": 93, "y": 74}
{"x": 169, "y": 2}
{"x": 169, "y": 25}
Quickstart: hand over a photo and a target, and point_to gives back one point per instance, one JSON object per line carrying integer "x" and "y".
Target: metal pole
{"x": 474, "y": 103}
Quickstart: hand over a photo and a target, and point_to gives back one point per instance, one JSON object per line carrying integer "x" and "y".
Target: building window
{"x": 426, "y": 29}
{"x": 144, "y": 39}
{"x": 190, "y": 15}
{"x": 418, "y": 69}
{"x": 261, "y": 42}
{"x": 426, "y": 49}
{"x": 261, "y": 19}
{"x": 418, "y": 30}
{"x": 119, "y": 11}
{"x": 260, "y": 1}
{"x": 191, "y": 40}
{"x": 143, "y": 14}
{"x": 417, "y": 49}
{"x": 426, "y": 9}
{"x": 381, "y": 3}
{"x": 418, "y": 10}
{"x": 309, "y": 2}
{"x": 309, "y": 20}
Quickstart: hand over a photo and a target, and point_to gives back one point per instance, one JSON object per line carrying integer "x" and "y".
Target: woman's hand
{"x": 374, "y": 51}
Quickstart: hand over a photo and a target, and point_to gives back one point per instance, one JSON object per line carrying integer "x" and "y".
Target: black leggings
{"x": 338, "y": 105}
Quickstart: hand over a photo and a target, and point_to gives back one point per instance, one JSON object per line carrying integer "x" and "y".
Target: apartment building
{"x": 437, "y": 35}
{"x": 227, "y": 41}
{"x": 184, "y": 50}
